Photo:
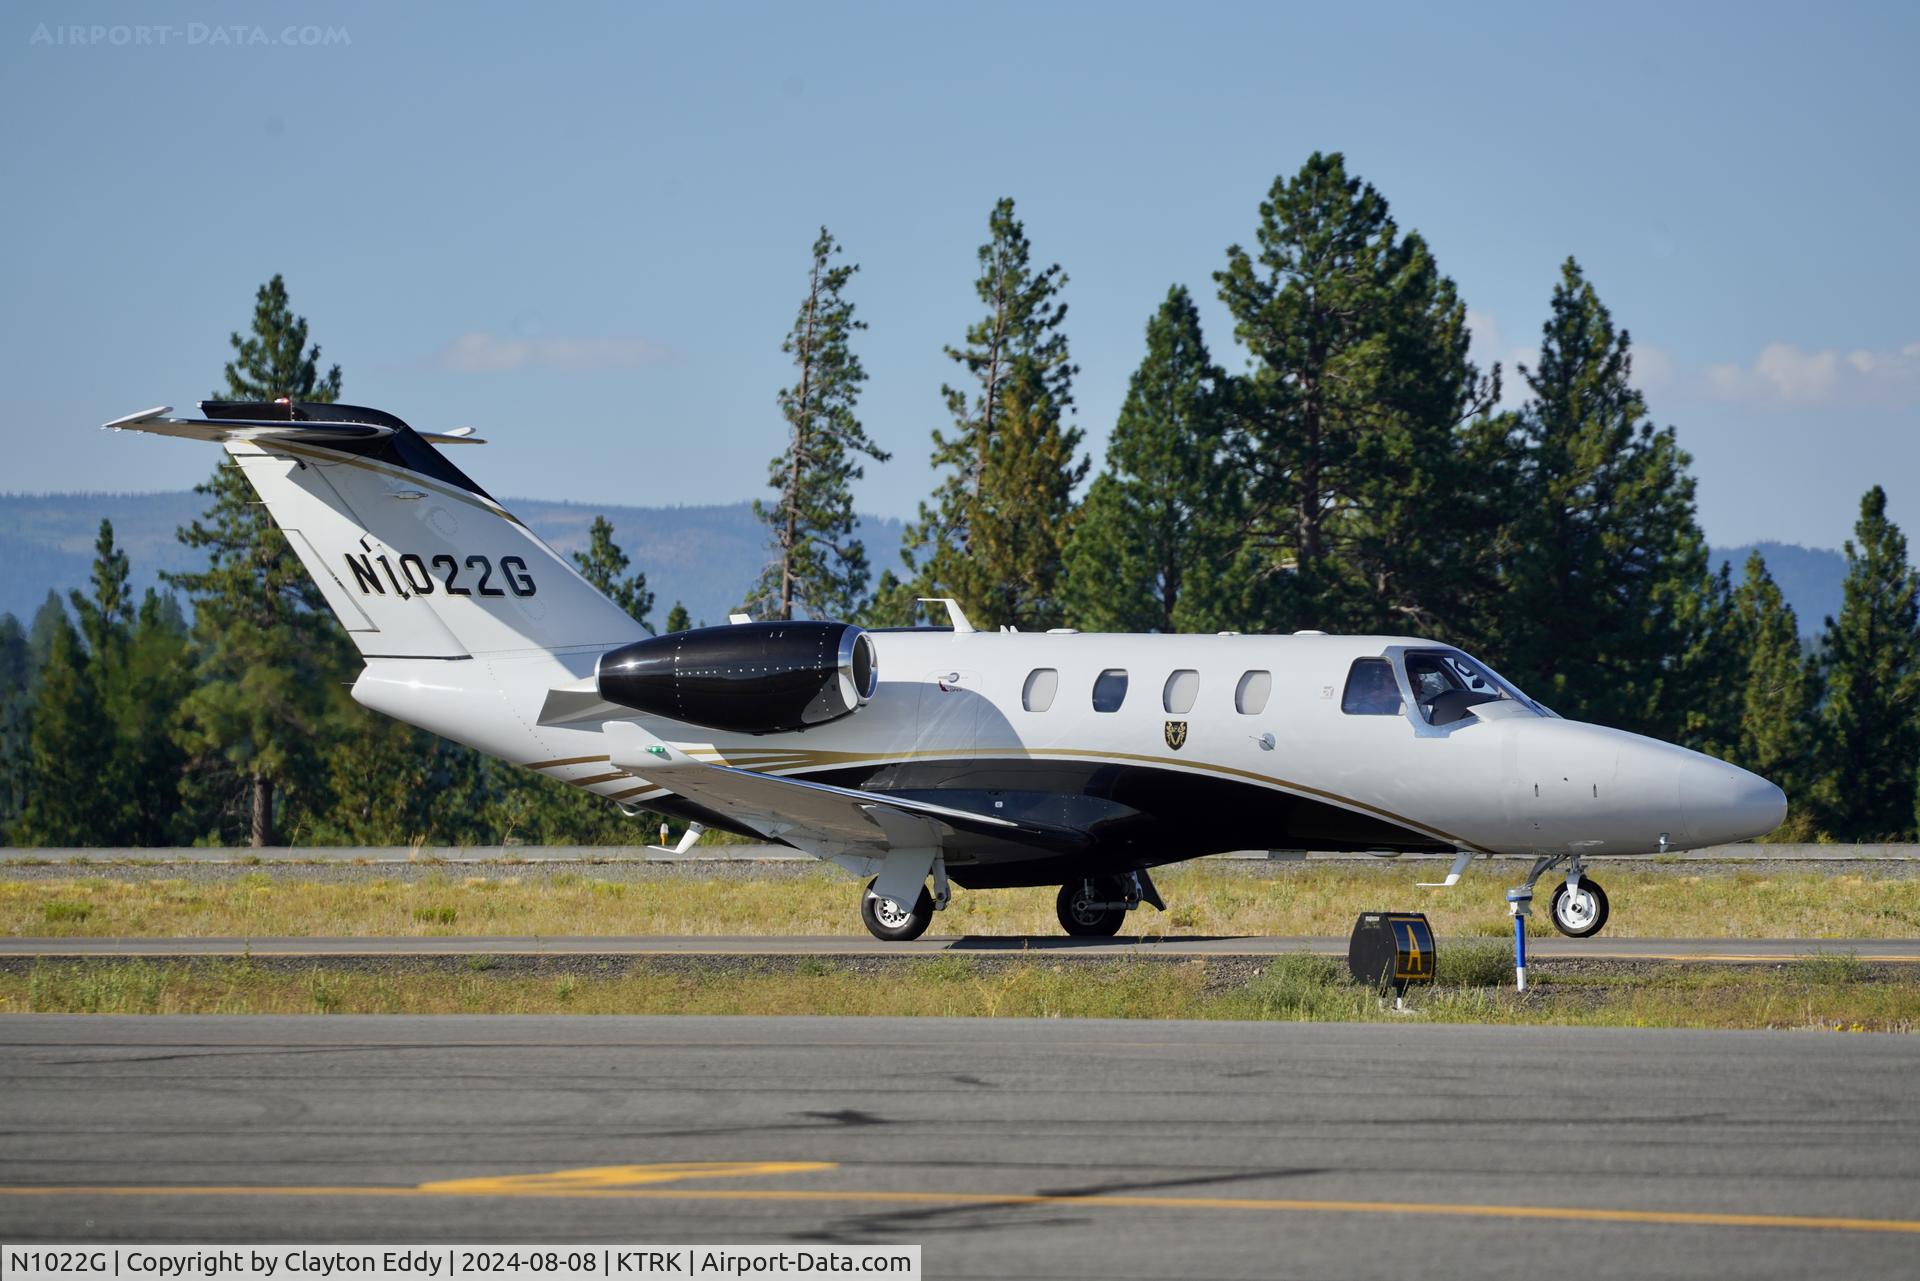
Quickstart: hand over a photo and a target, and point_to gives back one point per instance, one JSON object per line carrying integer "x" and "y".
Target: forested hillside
{"x": 708, "y": 557}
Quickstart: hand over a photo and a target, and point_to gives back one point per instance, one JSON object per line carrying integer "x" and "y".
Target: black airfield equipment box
{"x": 1391, "y": 949}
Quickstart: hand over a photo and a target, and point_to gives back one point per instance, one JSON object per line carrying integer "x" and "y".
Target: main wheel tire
{"x": 887, "y": 921}
{"x": 1579, "y": 915}
{"x": 1078, "y": 915}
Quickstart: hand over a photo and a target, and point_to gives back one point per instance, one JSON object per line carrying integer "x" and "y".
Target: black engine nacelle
{"x": 754, "y": 678}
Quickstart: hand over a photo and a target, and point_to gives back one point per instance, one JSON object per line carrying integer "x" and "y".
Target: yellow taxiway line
{"x": 631, "y": 1183}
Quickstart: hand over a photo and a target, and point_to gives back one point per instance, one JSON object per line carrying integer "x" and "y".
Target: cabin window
{"x": 1110, "y": 690}
{"x": 1371, "y": 689}
{"x": 1251, "y": 694}
{"x": 1182, "y": 688}
{"x": 1042, "y": 684}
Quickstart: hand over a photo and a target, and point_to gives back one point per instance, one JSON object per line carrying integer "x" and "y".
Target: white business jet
{"x": 945, "y": 754}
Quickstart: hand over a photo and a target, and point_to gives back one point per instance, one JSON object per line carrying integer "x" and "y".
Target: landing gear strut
{"x": 1096, "y": 906}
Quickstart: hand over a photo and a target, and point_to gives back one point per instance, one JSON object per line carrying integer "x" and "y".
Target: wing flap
{"x": 818, "y": 817}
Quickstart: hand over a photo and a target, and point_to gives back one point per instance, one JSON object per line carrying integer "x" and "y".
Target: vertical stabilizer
{"x": 414, "y": 558}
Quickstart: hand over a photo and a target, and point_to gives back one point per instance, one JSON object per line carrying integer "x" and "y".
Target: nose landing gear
{"x": 1579, "y": 906}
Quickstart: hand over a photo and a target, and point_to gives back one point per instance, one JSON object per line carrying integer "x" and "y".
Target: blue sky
{"x": 584, "y": 229}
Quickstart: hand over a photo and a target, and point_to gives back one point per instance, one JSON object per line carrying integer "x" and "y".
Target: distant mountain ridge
{"x": 1811, "y": 578}
{"x": 705, "y": 556}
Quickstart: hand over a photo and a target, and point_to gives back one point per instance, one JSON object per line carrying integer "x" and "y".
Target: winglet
{"x": 955, "y": 615}
{"x": 145, "y": 415}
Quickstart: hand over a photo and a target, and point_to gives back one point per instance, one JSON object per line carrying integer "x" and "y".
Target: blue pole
{"x": 1520, "y": 951}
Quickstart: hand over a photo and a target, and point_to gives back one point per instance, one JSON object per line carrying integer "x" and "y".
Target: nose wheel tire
{"x": 1579, "y": 914}
{"x": 1083, "y": 910}
{"x": 891, "y": 923}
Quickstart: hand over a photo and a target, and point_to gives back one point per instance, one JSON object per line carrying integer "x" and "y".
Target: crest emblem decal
{"x": 1176, "y": 734}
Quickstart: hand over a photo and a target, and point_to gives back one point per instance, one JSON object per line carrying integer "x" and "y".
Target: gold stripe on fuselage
{"x": 782, "y": 761}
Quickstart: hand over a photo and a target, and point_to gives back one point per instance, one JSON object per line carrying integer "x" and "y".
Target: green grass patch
{"x": 1300, "y": 987}
{"x": 1830, "y": 968}
{"x": 1474, "y": 964}
{"x": 1205, "y": 898}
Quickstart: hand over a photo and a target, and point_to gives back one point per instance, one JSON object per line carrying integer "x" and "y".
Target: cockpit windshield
{"x": 1446, "y": 683}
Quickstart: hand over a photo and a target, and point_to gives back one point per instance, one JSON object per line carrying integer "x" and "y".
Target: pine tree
{"x": 678, "y": 620}
{"x": 1710, "y": 669}
{"x": 1870, "y": 722}
{"x": 605, "y": 566}
{"x": 14, "y": 702}
{"x": 106, "y": 628}
{"x": 1371, "y": 456}
{"x": 142, "y": 690}
{"x": 818, "y": 566}
{"x": 66, "y": 753}
{"x": 48, "y": 620}
{"x": 104, "y": 617}
{"x": 1158, "y": 516}
{"x": 1777, "y": 696}
{"x": 994, "y": 533}
{"x": 1607, "y": 560}
{"x": 269, "y": 658}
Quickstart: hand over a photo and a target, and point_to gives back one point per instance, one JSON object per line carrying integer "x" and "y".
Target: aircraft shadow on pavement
{"x": 1067, "y": 943}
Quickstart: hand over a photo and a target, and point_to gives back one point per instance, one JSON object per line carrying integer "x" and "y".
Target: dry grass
{"x": 1292, "y": 988}
{"x": 1205, "y": 898}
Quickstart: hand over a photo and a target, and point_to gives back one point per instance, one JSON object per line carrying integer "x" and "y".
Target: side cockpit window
{"x": 1447, "y": 684}
{"x": 1371, "y": 689}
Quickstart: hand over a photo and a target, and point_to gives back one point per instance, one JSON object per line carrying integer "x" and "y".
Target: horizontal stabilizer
{"x": 265, "y": 430}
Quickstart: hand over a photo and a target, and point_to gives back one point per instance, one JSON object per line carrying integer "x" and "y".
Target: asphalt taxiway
{"x": 1547, "y": 947}
{"x": 1005, "y": 1148}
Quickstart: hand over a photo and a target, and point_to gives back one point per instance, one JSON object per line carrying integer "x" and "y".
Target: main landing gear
{"x": 1095, "y": 906}
{"x": 888, "y": 921}
{"x": 1579, "y": 906}
{"x": 1092, "y": 907}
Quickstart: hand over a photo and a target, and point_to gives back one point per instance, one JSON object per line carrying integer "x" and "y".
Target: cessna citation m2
{"x": 983, "y": 759}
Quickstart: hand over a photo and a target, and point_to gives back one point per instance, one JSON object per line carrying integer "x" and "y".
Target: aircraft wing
{"x": 817, "y": 817}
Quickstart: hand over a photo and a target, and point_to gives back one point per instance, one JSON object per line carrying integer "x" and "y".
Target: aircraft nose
{"x": 1724, "y": 803}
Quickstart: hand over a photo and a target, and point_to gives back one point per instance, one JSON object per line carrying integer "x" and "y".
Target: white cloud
{"x": 1786, "y": 376}
{"x": 480, "y": 353}
{"x": 1490, "y": 345}
{"x": 1653, "y": 369}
